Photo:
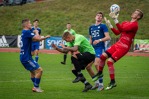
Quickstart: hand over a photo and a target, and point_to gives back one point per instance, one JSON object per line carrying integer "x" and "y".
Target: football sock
{"x": 102, "y": 62}
{"x": 85, "y": 81}
{"x": 75, "y": 73}
{"x": 111, "y": 69}
{"x": 65, "y": 57}
{"x": 100, "y": 80}
{"x": 33, "y": 79}
{"x": 80, "y": 74}
{"x": 37, "y": 82}
{"x": 112, "y": 80}
{"x": 36, "y": 58}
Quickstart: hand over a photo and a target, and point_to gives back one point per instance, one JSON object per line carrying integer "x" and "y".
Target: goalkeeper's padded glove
{"x": 114, "y": 16}
{"x": 108, "y": 23}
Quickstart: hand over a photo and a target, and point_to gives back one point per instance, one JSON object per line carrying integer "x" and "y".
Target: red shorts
{"x": 116, "y": 51}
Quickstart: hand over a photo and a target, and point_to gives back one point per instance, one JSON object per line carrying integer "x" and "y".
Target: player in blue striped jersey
{"x": 98, "y": 35}
{"x": 36, "y": 44}
{"x": 26, "y": 59}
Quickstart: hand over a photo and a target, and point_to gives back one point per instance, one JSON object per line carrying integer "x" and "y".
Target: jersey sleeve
{"x": 30, "y": 34}
{"x": 89, "y": 30}
{"x": 105, "y": 29}
{"x": 115, "y": 31}
{"x": 131, "y": 26}
{"x": 39, "y": 31}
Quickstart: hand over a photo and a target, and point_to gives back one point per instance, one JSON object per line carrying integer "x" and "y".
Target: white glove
{"x": 108, "y": 23}
{"x": 114, "y": 16}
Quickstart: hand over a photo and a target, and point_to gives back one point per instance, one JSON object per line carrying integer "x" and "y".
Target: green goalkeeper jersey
{"x": 82, "y": 43}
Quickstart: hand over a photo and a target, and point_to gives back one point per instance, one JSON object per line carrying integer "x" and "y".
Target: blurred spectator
{"x": 137, "y": 47}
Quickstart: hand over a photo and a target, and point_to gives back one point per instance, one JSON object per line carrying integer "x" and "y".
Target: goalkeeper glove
{"x": 114, "y": 16}
{"x": 108, "y": 23}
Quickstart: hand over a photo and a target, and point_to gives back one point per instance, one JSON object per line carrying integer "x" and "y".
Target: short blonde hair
{"x": 65, "y": 35}
{"x": 24, "y": 22}
{"x": 140, "y": 13}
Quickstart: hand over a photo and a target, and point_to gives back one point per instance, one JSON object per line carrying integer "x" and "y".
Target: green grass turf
{"x": 132, "y": 76}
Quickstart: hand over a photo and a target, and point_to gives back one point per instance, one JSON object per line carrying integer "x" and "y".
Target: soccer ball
{"x": 115, "y": 8}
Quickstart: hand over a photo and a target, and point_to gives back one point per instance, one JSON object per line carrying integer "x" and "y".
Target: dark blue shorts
{"x": 99, "y": 51}
{"x": 35, "y": 46}
{"x": 30, "y": 65}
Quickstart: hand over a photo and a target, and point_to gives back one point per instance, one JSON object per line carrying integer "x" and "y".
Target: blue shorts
{"x": 35, "y": 46}
{"x": 99, "y": 51}
{"x": 30, "y": 65}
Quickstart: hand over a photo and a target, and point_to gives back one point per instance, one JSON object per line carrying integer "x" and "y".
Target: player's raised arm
{"x": 115, "y": 31}
{"x": 37, "y": 37}
{"x": 108, "y": 23}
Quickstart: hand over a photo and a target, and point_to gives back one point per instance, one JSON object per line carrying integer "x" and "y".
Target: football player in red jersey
{"x": 127, "y": 31}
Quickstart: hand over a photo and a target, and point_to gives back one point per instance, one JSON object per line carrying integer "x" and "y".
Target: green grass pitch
{"x": 132, "y": 77}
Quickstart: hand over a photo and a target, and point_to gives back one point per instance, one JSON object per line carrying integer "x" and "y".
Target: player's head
{"x": 137, "y": 14}
{"x": 26, "y": 24}
{"x": 68, "y": 26}
{"x": 99, "y": 16}
{"x": 67, "y": 37}
{"x": 35, "y": 22}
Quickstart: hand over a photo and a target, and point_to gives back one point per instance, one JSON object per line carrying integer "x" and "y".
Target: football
{"x": 115, "y": 8}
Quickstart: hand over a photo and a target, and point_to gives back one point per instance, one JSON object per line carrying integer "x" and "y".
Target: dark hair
{"x": 100, "y": 13}
{"x": 36, "y": 20}
{"x": 140, "y": 13}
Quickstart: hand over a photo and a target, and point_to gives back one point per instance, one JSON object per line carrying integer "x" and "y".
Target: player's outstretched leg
{"x": 112, "y": 75}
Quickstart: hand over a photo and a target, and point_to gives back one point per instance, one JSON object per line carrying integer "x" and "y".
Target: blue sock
{"x": 100, "y": 80}
{"x": 33, "y": 79}
{"x": 37, "y": 82}
{"x": 36, "y": 58}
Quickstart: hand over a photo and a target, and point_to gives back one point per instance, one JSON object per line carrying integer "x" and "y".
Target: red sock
{"x": 102, "y": 62}
{"x": 111, "y": 70}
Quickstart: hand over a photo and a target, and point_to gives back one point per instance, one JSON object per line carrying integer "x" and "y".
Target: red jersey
{"x": 128, "y": 31}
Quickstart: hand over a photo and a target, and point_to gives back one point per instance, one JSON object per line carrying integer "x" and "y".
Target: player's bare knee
{"x": 103, "y": 56}
{"x": 39, "y": 70}
{"x": 111, "y": 60}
